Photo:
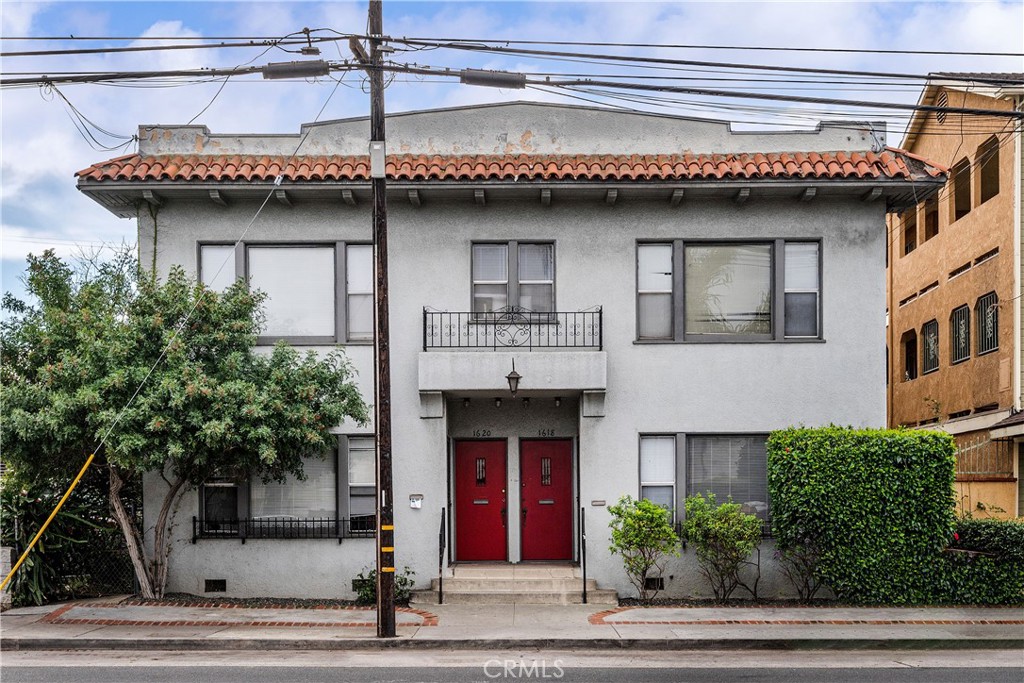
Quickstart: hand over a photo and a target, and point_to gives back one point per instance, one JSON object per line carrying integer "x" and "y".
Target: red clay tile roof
{"x": 891, "y": 164}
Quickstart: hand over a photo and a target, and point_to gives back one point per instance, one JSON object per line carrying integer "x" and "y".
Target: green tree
{"x": 165, "y": 372}
{"x": 642, "y": 534}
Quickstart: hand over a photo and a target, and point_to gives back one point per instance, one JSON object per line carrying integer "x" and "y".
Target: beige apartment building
{"x": 954, "y": 345}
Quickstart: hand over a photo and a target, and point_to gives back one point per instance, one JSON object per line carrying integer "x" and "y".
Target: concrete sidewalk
{"x": 112, "y": 624}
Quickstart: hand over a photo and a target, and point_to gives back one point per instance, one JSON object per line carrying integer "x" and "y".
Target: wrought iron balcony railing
{"x": 284, "y": 527}
{"x": 512, "y": 327}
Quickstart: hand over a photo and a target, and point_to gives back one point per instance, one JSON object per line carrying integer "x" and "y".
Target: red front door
{"x": 546, "y": 471}
{"x": 480, "y": 501}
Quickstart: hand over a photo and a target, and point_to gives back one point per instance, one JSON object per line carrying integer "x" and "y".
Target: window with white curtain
{"x": 304, "y": 302}
{"x": 359, "y": 289}
{"x": 299, "y": 284}
{"x": 732, "y": 466}
{"x": 658, "y": 470}
{"x": 654, "y": 291}
{"x": 520, "y": 274}
{"x": 733, "y": 291}
{"x": 362, "y": 482}
{"x": 314, "y": 497}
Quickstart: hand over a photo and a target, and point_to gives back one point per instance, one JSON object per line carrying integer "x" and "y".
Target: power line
{"x": 675, "y": 46}
{"x": 720, "y": 65}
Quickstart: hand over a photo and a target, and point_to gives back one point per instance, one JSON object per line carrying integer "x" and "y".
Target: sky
{"x": 41, "y": 148}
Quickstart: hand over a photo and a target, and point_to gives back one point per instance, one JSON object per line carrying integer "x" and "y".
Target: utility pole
{"x": 382, "y": 350}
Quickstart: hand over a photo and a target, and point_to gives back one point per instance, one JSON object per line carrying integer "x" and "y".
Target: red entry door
{"x": 546, "y": 515}
{"x": 480, "y": 501}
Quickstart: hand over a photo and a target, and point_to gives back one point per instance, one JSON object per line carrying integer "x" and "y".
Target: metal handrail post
{"x": 583, "y": 549}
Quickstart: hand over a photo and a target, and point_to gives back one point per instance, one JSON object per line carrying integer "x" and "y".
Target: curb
{"x": 191, "y": 645}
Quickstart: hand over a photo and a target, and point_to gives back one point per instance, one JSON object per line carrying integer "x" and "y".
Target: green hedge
{"x": 993, "y": 579}
{"x": 877, "y": 507}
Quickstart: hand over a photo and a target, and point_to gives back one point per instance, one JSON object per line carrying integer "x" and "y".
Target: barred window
{"x": 960, "y": 334}
{"x": 930, "y": 344}
{"x": 987, "y": 313}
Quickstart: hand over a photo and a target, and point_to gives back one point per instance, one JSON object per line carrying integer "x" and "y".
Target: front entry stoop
{"x": 510, "y": 584}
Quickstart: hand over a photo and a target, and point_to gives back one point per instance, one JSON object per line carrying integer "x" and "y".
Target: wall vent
{"x": 215, "y": 585}
{"x": 986, "y": 256}
{"x": 654, "y": 583}
{"x": 959, "y": 271}
{"x": 941, "y": 101}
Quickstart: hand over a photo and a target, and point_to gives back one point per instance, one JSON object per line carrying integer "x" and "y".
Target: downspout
{"x": 1017, "y": 310}
{"x": 153, "y": 211}
{"x": 890, "y": 384}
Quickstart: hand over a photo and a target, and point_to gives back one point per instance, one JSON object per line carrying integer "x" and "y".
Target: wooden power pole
{"x": 382, "y": 350}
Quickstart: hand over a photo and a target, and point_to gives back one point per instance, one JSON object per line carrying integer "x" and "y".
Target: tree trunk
{"x": 161, "y": 548}
{"x": 132, "y": 537}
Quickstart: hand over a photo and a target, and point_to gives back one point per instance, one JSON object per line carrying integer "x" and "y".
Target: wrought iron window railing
{"x": 512, "y": 327}
{"x": 285, "y": 527}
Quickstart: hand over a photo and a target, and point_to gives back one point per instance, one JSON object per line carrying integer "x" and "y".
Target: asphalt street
{"x": 981, "y": 666}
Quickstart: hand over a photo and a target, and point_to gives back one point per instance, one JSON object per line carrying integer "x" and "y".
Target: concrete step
{"x": 540, "y": 584}
{"x": 513, "y": 597}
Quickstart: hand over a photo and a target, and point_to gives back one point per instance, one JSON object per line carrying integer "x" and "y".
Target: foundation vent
{"x": 215, "y": 585}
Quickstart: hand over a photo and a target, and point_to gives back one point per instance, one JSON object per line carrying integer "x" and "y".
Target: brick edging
{"x": 56, "y": 616}
{"x": 598, "y": 619}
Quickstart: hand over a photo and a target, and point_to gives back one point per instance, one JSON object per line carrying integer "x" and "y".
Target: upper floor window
{"x": 986, "y": 310}
{"x": 930, "y": 346}
{"x": 987, "y": 162}
{"x": 909, "y": 343}
{"x": 931, "y": 218}
{"x": 514, "y": 274}
{"x": 960, "y": 334}
{"x": 961, "y": 197}
{"x": 316, "y": 293}
{"x": 728, "y": 290}
{"x": 909, "y": 220}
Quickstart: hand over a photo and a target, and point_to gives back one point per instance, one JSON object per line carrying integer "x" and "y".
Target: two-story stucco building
{"x": 669, "y": 290}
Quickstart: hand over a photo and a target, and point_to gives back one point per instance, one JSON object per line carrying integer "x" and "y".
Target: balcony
{"x": 513, "y": 328}
{"x": 278, "y": 527}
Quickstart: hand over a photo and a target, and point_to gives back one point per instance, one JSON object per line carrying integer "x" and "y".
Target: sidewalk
{"x": 116, "y": 624}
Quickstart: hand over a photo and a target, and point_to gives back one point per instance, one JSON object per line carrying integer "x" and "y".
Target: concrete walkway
{"x": 113, "y": 624}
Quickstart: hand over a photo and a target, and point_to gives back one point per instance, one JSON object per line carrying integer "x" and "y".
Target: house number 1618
{"x": 545, "y": 432}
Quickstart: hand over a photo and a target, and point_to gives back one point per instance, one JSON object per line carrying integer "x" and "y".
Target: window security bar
{"x": 512, "y": 327}
{"x": 284, "y": 527}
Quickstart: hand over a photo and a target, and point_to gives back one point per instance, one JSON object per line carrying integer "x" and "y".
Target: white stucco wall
{"x": 651, "y": 388}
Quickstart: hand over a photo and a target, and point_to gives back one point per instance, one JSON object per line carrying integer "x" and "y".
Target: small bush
{"x": 996, "y": 578}
{"x": 365, "y": 584}
{"x": 724, "y": 538}
{"x": 642, "y": 534}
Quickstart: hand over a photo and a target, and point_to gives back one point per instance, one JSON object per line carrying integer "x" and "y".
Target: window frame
{"x": 513, "y": 282}
{"x": 989, "y": 299}
{"x": 926, "y": 367}
{"x": 965, "y": 312}
{"x": 681, "y": 485}
{"x": 778, "y": 292}
{"x": 961, "y": 198}
{"x": 242, "y": 271}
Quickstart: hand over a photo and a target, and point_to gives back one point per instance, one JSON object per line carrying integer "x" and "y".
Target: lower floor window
{"x": 335, "y": 498}
{"x": 674, "y": 466}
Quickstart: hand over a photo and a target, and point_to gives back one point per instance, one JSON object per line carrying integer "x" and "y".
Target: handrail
{"x": 583, "y": 549}
{"x": 441, "y": 543}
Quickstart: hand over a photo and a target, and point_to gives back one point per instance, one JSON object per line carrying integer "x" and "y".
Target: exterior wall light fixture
{"x": 513, "y": 379}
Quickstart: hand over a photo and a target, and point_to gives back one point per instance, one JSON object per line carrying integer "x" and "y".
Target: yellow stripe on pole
{"x": 388, "y": 569}
{"x": 49, "y": 519}
{"x": 387, "y": 549}
{"x": 387, "y": 527}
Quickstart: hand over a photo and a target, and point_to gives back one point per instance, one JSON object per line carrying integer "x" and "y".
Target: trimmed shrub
{"x": 1002, "y": 537}
{"x": 724, "y": 538}
{"x": 877, "y": 507}
{"x": 642, "y": 534}
{"x": 995, "y": 578}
